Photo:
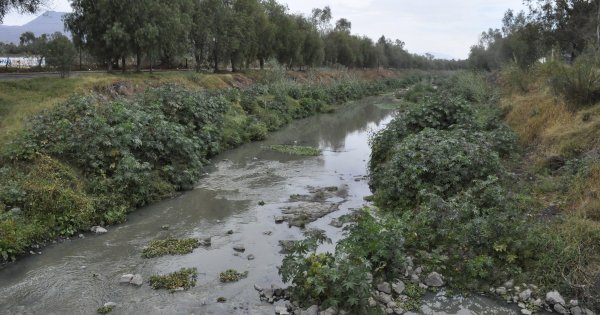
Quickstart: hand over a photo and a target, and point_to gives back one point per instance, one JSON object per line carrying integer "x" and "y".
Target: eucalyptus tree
{"x": 217, "y": 19}
{"x": 101, "y": 26}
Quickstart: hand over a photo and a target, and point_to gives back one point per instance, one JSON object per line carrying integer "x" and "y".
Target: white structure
{"x": 20, "y": 62}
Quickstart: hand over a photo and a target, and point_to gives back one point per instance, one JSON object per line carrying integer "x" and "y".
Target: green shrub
{"x": 436, "y": 111}
{"x": 579, "y": 83}
{"x": 324, "y": 279}
{"x": 440, "y": 161}
{"x": 257, "y": 131}
{"x": 416, "y": 93}
{"x": 516, "y": 79}
{"x": 471, "y": 86}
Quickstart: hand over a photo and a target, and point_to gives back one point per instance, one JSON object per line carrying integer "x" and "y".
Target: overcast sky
{"x": 441, "y": 26}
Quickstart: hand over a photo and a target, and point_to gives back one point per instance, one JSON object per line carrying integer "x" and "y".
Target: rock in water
{"x": 205, "y": 241}
{"x": 281, "y": 310}
{"x": 137, "y": 280}
{"x": 126, "y": 278}
{"x": 98, "y": 230}
{"x": 279, "y": 219}
{"x": 239, "y": 248}
{"x": 434, "y": 279}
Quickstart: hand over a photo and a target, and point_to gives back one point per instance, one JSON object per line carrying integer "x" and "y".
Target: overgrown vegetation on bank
{"x": 91, "y": 160}
{"x": 452, "y": 199}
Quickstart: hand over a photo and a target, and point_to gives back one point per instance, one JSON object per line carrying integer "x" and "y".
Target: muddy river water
{"x": 79, "y": 275}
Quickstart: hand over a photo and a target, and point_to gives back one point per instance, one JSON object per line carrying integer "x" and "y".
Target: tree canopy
{"x": 228, "y": 33}
{"x": 557, "y": 29}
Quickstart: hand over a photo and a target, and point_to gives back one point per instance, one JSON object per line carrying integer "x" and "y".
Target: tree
{"x": 34, "y": 46}
{"x": 321, "y": 18}
{"x": 103, "y": 26}
{"x": 61, "y": 54}
{"x": 29, "y": 6}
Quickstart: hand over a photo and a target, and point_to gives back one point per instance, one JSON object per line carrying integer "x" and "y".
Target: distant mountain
{"x": 47, "y": 23}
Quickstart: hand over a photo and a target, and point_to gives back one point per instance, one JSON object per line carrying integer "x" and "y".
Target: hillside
{"x": 49, "y": 22}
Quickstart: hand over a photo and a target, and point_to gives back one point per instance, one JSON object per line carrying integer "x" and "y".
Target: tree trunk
{"x": 80, "y": 66}
{"x": 262, "y": 63}
{"x": 232, "y": 63}
{"x": 124, "y": 66}
{"x": 110, "y": 65}
{"x": 216, "y": 60}
{"x": 197, "y": 57}
{"x": 138, "y": 66}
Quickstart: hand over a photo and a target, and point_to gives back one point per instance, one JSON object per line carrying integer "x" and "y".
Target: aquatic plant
{"x": 296, "y": 150}
{"x": 159, "y": 248}
{"x": 183, "y": 279}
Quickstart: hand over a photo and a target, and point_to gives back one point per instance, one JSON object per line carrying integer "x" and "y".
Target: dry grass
{"x": 548, "y": 128}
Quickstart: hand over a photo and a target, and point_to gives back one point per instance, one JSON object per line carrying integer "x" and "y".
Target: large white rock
{"x": 434, "y": 279}
{"x": 553, "y": 297}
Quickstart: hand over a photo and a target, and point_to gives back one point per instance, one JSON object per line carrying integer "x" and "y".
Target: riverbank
{"x": 455, "y": 212}
{"x": 98, "y": 156}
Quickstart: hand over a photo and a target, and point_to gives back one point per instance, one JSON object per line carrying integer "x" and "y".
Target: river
{"x": 79, "y": 275}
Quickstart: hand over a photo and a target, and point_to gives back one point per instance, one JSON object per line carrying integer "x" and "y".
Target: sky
{"x": 440, "y": 26}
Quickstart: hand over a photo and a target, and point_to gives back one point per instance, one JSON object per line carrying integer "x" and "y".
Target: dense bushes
{"x": 92, "y": 160}
{"x": 439, "y": 179}
{"x": 440, "y": 161}
{"x": 578, "y": 83}
{"x": 447, "y": 205}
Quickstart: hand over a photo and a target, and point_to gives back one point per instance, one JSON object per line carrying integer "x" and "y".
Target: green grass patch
{"x": 160, "y": 248}
{"x": 105, "y": 309}
{"x": 232, "y": 275}
{"x": 185, "y": 279}
{"x": 296, "y": 150}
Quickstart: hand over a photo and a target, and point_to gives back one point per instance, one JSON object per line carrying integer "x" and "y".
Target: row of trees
{"x": 231, "y": 33}
{"x": 56, "y": 50}
{"x": 559, "y": 29}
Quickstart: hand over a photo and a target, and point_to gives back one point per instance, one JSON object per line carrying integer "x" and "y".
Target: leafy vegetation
{"x": 232, "y": 275}
{"x": 185, "y": 279}
{"x": 105, "y": 309}
{"x": 296, "y": 150}
{"x": 159, "y": 248}
{"x": 447, "y": 203}
{"x": 90, "y": 160}
{"x": 323, "y": 279}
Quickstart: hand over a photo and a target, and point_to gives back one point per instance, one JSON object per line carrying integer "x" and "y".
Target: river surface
{"x": 79, "y": 275}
